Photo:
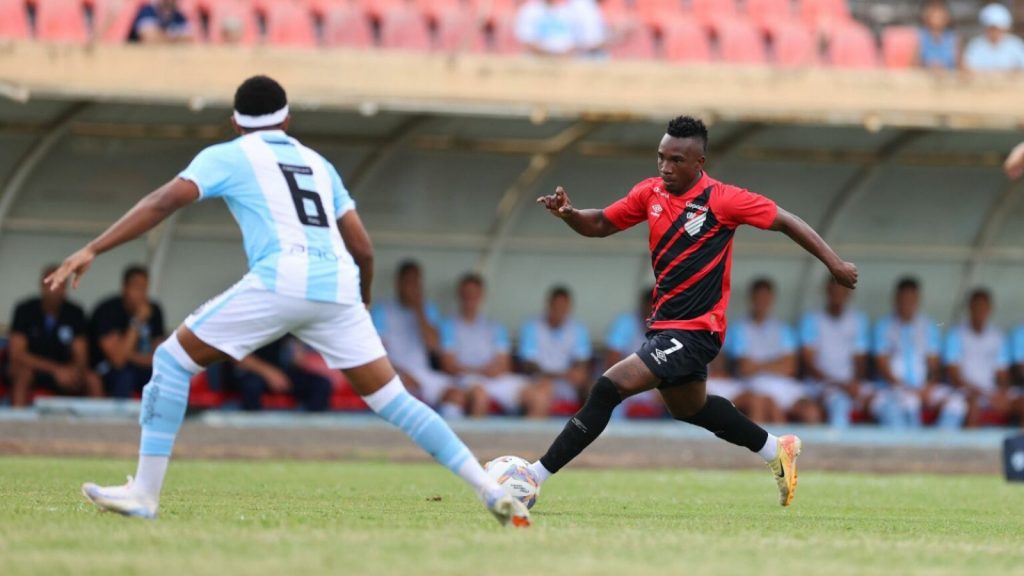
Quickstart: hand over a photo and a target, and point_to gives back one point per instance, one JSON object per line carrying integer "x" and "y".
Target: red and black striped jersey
{"x": 691, "y": 246}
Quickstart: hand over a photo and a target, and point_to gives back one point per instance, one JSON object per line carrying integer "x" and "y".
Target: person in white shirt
{"x": 996, "y": 50}
{"x": 549, "y": 27}
{"x": 626, "y": 334}
{"x": 834, "y": 345}
{"x": 476, "y": 351}
{"x": 977, "y": 357}
{"x": 765, "y": 351}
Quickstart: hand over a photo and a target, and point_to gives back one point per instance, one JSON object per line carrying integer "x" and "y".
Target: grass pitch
{"x": 252, "y": 518}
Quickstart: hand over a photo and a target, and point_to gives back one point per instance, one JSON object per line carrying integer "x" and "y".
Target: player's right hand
{"x": 558, "y": 203}
{"x": 846, "y": 274}
{"x": 75, "y": 266}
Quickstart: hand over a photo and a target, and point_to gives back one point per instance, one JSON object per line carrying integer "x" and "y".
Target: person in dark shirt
{"x": 48, "y": 347}
{"x": 277, "y": 367}
{"x": 160, "y": 22}
{"x": 126, "y": 329}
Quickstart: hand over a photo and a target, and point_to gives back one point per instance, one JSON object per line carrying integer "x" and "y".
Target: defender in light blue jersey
{"x": 310, "y": 272}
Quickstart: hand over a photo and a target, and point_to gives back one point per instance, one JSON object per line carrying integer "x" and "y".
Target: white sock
{"x": 149, "y": 477}
{"x": 487, "y": 488}
{"x": 540, "y": 472}
{"x": 770, "y": 449}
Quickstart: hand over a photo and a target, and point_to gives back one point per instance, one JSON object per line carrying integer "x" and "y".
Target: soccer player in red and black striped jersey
{"x": 692, "y": 218}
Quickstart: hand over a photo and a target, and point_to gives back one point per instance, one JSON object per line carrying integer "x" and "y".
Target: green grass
{"x": 250, "y": 518}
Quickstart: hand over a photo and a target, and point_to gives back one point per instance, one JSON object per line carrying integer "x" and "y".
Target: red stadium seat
{"x": 61, "y": 21}
{"x": 899, "y": 46}
{"x": 853, "y": 46}
{"x": 496, "y": 11}
{"x": 714, "y": 13}
{"x": 290, "y": 25}
{"x": 378, "y": 8}
{"x": 460, "y": 32}
{"x": 824, "y": 14}
{"x": 794, "y": 46}
{"x": 14, "y": 20}
{"x": 740, "y": 42}
{"x": 201, "y": 395}
{"x": 112, "y": 19}
{"x": 764, "y": 13}
{"x": 347, "y": 26}
{"x": 232, "y": 14}
{"x": 684, "y": 40}
{"x": 637, "y": 45}
{"x": 657, "y": 12}
{"x": 435, "y": 9}
{"x": 615, "y": 10}
{"x": 505, "y": 41}
{"x": 405, "y": 28}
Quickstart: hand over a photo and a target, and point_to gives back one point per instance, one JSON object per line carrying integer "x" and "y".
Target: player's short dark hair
{"x": 908, "y": 283}
{"x": 471, "y": 278}
{"x": 559, "y": 291}
{"x": 762, "y": 283}
{"x": 260, "y": 95}
{"x": 132, "y": 271}
{"x": 980, "y": 293}
{"x": 688, "y": 127}
{"x": 407, "y": 266}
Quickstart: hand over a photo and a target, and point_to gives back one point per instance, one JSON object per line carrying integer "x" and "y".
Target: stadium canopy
{"x": 445, "y": 155}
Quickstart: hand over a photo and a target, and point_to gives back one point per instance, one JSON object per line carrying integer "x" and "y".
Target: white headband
{"x": 263, "y": 121}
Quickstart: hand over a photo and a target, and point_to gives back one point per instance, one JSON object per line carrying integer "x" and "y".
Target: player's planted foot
{"x": 783, "y": 467}
{"x": 119, "y": 499}
{"x": 509, "y": 511}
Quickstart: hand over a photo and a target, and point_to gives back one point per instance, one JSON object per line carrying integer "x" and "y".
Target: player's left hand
{"x": 75, "y": 266}
{"x": 558, "y": 203}
{"x": 845, "y": 274}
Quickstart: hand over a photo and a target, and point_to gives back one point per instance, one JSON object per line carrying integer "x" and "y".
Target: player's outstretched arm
{"x": 591, "y": 222}
{"x": 357, "y": 242}
{"x": 143, "y": 217}
{"x": 793, "y": 226}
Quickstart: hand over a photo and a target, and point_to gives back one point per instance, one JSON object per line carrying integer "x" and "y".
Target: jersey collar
{"x": 697, "y": 188}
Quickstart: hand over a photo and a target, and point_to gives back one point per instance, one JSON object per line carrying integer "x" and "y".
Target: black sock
{"x": 584, "y": 427}
{"x": 723, "y": 419}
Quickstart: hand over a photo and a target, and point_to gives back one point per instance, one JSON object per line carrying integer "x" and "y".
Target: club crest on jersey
{"x": 656, "y": 210}
{"x": 695, "y": 222}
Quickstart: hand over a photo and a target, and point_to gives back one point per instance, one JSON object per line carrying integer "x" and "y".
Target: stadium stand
{"x": 639, "y": 43}
{"x": 739, "y": 42}
{"x": 61, "y": 21}
{"x": 346, "y": 26}
{"x": 405, "y": 28}
{"x": 899, "y": 46}
{"x": 685, "y": 41}
{"x": 794, "y": 46}
{"x": 289, "y": 25}
{"x": 14, "y": 23}
{"x": 851, "y": 45}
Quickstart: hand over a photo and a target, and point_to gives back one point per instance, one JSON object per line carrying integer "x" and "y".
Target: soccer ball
{"x": 511, "y": 472}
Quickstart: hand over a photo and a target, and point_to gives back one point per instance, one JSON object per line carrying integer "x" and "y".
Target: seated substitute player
{"x": 48, "y": 348}
{"x": 692, "y": 218}
{"x": 765, "y": 352}
{"x": 126, "y": 331}
{"x": 555, "y": 349}
{"x": 977, "y": 358}
{"x": 626, "y": 334}
{"x": 834, "y": 345}
{"x": 277, "y": 367}
{"x": 310, "y": 274}
{"x": 906, "y": 347}
{"x": 476, "y": 351}
{"x": 408, "y": 326}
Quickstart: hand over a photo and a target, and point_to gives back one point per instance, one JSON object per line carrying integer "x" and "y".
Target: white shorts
{"x": 247, "y": 316}
{"x": 432, "y": 384}
{"x": 506, "y": 390}
{"x": 785, "y": 392}
{"x": 727, "y": 388}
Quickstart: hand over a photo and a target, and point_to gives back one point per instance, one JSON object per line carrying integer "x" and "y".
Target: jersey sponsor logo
{"x": 313, "y": 252}
{"x": 661, "y": 356}
{"x": 696, "y": 206}
{"x": 656, "y": 210}
{"x": 695, "y": 223}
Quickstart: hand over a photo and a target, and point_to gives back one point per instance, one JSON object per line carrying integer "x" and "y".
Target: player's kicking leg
{"x": 683, "y": 365}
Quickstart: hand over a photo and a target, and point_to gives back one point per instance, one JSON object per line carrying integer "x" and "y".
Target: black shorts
{"x": 679, "y": 356}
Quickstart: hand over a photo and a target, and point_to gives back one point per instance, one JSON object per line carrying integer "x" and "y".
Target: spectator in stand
{"x": 549, "y": 27}
{"x": 48, "y": 347}
{"x": 938, "y": 44}
{"x": 278, "y": 367}
{"x": 834, "y": 346}
{"x": 906, "y": 347}
{"x": 125, "y": 331}
{"x": 765, "y": 350}
{"x": 476, "y": 351}
{"x": 160, "y": 22}
{"x": 590, "y": 29}
{"x": 996, "y": 50}
{"x": 555, "y": 349}
{"x": 722, "y": 383}
{"x": 977, "y": 357}
{"x": 408, "y": 326}
{"x": 625, "y": 335}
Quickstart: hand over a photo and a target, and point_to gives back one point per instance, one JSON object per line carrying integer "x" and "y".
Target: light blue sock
{"x": 839, "y": 406}
{"x": 165, "y": 398}
{"x": 430, "y": 432}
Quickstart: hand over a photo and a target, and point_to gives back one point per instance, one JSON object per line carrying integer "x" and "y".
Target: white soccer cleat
{"x": 119, "y": 499}
{"x": 510, "y": 511}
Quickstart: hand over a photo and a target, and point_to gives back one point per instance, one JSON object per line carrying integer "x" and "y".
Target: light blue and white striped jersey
{"x": 764, "y": 342}
{"x": 554, "y": 350}
{"x": 626, "y": 333}
{"x": 836, "y": 341}
{"x": 400, "y": 332}
{"x": 286, "y": 199}
{"x": 908, "y": 346}
{"x": 475, "y": 344}
{"x": 979, "y": 356}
